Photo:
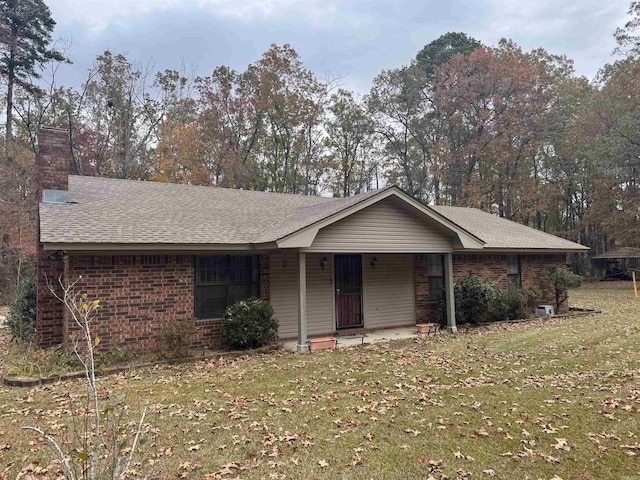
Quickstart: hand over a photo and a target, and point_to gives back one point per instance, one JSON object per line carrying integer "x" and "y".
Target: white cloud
{"x": 98, "y": 14}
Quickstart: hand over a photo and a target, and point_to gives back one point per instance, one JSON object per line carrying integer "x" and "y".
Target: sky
{"x": 351, "y": 39}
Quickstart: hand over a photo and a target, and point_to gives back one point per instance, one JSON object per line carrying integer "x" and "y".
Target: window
{"x": 150, "y": 260}
{"x": 514, "y": 271}
{"x": 435, "y": 276}
{"x": 222, "y": 280}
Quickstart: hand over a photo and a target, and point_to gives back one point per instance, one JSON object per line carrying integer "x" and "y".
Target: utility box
{"x": 544, "y": 311}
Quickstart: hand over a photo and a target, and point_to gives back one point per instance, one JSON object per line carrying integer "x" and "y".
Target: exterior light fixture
{"x": 58, "y": 255}
{"x": 374, "y": 260}
{"x": 324, "y": 262}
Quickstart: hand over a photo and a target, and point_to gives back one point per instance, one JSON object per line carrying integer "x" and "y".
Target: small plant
{"x": 249, "y": 324}
{"x": 176, "y": 337}
{"x": 474, "y": 299}
{"x": 102, "y": 448}
{"x": 560, "y": 281}
{"x": 22, "y": 315}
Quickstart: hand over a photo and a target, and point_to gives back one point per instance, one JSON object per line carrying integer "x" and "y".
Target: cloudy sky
{"x": 355, "y": 39}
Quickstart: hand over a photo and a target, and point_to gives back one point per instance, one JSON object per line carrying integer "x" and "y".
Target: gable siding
{"x": 385, "y": 227}
{"x": 388, "y": 291}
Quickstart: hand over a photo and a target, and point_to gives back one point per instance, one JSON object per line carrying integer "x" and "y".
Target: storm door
{"x": 348, "y": 281}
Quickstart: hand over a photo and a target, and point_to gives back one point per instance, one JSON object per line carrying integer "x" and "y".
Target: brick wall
{"x": 489, "y": 266}
{"x": 54, "y": 163}
{"x": 534, "y": 269}
{"x": 492, "y": 267}
{"x": 138, "y": 296}
{"x": 426, "y": 311}
{"x": 141, "y": 294}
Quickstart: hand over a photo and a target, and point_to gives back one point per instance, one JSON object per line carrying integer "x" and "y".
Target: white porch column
{"x": 448, "y": 286}
{"x": 302, "y": 346}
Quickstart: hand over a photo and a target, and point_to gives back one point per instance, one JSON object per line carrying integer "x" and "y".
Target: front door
{"x": 348, "y": 270}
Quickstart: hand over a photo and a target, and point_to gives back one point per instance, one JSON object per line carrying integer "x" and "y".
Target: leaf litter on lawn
{"x": 535, "y": 399}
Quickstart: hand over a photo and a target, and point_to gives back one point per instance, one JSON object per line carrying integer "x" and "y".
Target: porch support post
{"x": 302, "y": 346}
{"x": 448, "y": 286}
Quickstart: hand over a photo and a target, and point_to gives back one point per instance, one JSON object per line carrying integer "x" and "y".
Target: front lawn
{"x": 544, "y": 399}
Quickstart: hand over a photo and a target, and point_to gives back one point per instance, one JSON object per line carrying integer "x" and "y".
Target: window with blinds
{"x": 223, "y": 280}
{"x": 514, "y": 271}
{"x": 435, "y": 276}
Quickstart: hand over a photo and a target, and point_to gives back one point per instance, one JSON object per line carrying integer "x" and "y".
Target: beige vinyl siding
{"x": 320, "y": 318}
{"x": 284, "y": 291}
{"x": 388, "y": 291}
{"x": 385, "y": 227}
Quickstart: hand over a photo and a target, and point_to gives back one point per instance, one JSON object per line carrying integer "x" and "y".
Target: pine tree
{"x": 25, "y": 38}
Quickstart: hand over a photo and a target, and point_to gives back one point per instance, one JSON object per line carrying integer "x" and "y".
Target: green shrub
{"x": 22, "y": 314}
{"x": 560, "y": 280}
{"x": 176, "y": 337}
{"x": 514, "y": 303}
{"x": 474, "y": 299}
{"x": 249, "y": 324}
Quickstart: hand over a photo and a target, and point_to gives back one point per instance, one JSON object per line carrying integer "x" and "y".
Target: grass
{"x": 543, "y": 399}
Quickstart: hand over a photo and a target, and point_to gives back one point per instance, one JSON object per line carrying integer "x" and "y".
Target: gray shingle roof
{"x": 110, "y": 211}
{"x": 127, "y": 211}
{"x": 499, "y": 233}
{"x": 619, "y": 252}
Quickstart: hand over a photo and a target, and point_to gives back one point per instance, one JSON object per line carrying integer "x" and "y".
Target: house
{"x": 155, "y": 252}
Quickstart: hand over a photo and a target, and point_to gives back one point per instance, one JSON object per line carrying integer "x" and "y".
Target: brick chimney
{"x": 54, "y": 163}
{"x": 54, "y": 160}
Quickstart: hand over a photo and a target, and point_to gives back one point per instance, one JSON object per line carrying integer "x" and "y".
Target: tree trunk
{"x": 10, "y": 83}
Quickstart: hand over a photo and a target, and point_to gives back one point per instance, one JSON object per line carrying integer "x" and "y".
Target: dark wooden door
{"x": 348, "y": 270}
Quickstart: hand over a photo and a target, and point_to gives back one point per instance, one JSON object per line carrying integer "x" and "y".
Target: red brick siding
{"x": 138, "y": 300}
{"x": 489, "y": 266}
{"x": 426, "y": 311}
{"x": 492, "y": 267}
{"x": 49, "y": 310}
{"x": 54, "y": 163}
{"x": 534, "y": 270}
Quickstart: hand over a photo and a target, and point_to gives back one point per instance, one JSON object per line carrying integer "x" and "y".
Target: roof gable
{"x": 293, "y": 233}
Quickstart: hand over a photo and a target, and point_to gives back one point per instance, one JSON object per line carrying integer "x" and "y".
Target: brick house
{"x": 156, "y": 252}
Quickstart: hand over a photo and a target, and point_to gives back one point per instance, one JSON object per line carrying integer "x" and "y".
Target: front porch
{"x": 316, "y": 294}
{"x": 377, "y": 336}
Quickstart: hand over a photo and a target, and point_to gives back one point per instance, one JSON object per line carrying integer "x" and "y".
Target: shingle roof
{"x": 110, "y": 211}
{"x": 107, "y": 210}
{"x": 502, "y": 234}
{"x": 619, "y": 252}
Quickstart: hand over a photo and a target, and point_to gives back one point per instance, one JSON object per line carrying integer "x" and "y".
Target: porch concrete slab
{"x": 370, "y": 337}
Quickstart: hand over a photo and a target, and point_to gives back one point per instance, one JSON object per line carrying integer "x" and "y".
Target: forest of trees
{"x": 515, "y": 133}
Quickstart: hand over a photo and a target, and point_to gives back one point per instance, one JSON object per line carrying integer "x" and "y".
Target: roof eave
{"x": 122, "y": 248}
{"x": 525, "y": 250}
